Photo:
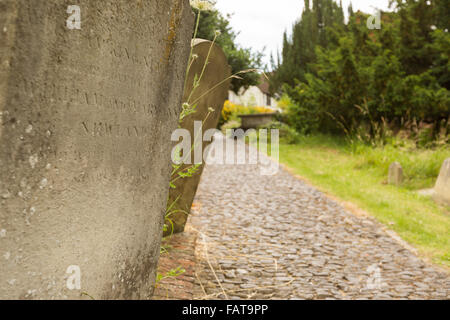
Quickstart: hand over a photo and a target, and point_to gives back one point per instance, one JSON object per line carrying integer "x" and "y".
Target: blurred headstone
{"x": 442, "y": 187}
{"x": 211, "y": 97}
{"x": 395, "y": 174}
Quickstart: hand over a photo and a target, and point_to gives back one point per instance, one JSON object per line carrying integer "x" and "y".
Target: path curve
{"x": 275, "y": 237}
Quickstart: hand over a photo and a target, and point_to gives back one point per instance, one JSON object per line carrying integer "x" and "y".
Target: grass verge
{"x": 357, "y": 173}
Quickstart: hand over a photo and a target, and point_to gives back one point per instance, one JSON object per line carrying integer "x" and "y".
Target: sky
{"x": 261, "y": 23}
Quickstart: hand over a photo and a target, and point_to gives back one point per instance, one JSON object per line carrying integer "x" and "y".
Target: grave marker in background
{"x": 395, "y": 174}
{"x": 216, "y": 71}
{"x": 442, "y": 187}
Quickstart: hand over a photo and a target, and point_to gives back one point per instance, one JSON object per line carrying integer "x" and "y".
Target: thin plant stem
{"x": 221, "y": 82}
{"x": 197, "y": 82}
{"x": 175, "y": 211}
{"x": 195, "y": 141}
{"x": 192, "y": 48}
{"x": 185, "y": 169}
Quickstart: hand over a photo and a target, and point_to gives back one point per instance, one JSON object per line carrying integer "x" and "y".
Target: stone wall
{"x": 86, "y": 118}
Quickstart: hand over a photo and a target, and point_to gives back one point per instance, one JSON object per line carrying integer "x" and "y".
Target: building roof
{"x": 264, "y": 84}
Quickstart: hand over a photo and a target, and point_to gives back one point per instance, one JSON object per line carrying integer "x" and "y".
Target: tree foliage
{"x": 343, "y": 76}
{"x": 240, "y": 59}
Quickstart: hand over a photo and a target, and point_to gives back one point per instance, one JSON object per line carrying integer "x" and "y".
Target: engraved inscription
{"x": 105, "y": 129}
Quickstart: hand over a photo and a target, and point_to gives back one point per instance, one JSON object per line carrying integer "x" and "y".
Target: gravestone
{"x": 216, "y": 71}
{"x": 442, "y": 187}
{"x": 86, "y": 117}
{"x": 395, "y": 174}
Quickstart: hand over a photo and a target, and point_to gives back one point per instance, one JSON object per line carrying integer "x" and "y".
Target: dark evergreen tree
{"x": 344, "y": 77}
{"x": 317, "y": 27}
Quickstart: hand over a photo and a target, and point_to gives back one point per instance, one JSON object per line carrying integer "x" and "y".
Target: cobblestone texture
{"x": 275, "y": 237}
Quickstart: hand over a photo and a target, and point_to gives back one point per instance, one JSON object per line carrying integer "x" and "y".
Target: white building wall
{"x": 253, "y": 96}
{"x": 273, "y": 103}
{"x": 233, "y": 97}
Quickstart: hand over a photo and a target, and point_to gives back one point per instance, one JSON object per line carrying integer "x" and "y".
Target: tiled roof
{"x": 264, "y": 84}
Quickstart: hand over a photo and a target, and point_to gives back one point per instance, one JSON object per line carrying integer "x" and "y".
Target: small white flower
{"x": 203, "y": 5}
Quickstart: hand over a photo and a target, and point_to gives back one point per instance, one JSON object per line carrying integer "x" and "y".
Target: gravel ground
{"x": 275, "y": 237}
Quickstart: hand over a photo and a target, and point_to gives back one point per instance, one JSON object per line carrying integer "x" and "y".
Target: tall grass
{"x": 420, "y": 166}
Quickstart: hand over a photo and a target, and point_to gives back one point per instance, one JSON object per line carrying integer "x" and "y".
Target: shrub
{"x": 287, "y": 134}
{"x": 231, "y": 111}
{"x": 232, "y": 124}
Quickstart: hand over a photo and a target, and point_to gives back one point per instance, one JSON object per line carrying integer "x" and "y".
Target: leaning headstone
{"x": 211, "y": 95}
{"x": 86, "y": 116}
{"x": 395, "y": 174}
{"x": 442, "y": 187}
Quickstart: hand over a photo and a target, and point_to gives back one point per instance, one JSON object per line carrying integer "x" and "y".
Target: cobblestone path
{"x": 275, "y": 237}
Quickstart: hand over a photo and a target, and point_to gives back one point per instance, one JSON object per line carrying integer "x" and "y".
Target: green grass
{"x": 357, "y": 173}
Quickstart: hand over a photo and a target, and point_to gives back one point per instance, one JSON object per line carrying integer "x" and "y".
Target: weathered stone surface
{"x": 86, "y": 117}
{"x": 395, "y": 174}
{"x": 442, "y": 187}
{"x": 216, "y": 71}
